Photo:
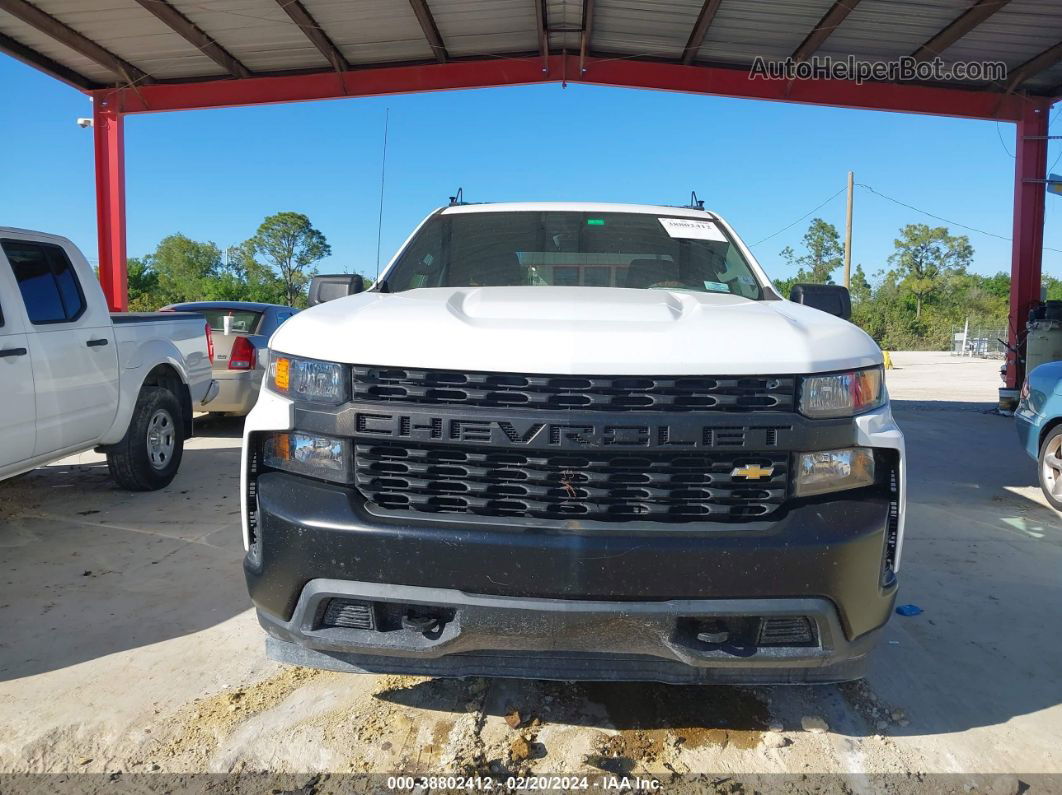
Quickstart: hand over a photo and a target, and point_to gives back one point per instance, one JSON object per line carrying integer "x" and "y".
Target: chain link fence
{"x": 982, "y": 343}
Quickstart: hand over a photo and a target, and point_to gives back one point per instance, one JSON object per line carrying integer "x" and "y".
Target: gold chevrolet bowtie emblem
{"x": 752, "y": 472}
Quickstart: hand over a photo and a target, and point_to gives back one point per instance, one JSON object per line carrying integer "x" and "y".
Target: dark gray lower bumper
{"x": 563, "y": 639}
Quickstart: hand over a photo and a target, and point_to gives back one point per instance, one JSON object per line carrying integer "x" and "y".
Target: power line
{"x": 1000, "y": 135}
{"x": 945, "y": 220}
{"x": 801, "y": 218}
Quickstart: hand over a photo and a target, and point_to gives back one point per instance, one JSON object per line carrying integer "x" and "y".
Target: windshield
{"x": 243, "y": 322}
{"x": 636, "y": 250}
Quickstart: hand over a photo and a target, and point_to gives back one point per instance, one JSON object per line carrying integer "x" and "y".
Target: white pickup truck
{"x": 75, "y": 377}
{"x": 575, "y": 441}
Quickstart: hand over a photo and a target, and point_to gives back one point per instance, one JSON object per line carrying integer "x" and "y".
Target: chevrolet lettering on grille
{"x": 685, "y": 433}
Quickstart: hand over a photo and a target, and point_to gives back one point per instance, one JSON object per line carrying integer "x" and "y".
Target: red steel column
{"x": 108, "y": 133}
{"x": 1030, "y": 189}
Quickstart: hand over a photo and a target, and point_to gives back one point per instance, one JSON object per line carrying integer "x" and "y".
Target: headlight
{"x": 833, "y": 470}
{"x": 321, "y": 457}
{"x": 306, "y": 379}
{"x": 842, "y": 394}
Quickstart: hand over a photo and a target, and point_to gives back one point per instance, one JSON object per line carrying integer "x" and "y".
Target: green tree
{"x": 999, "y": 284}
{"x": 823, "y": 253}
{"x": 926, "y": 257}
{"x": 859, "y": 286}
{"x": 290, "y": 245}
{"x": 143, "y": 285}
{"x": 186, "y": 269}
{"x": 256, "y": 280}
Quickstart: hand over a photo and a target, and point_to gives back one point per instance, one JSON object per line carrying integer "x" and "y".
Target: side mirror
{"x": 830, "y": 298}
{"x": 332, "y": 286}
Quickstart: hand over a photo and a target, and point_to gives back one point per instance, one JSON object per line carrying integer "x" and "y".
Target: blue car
{"x": 1039, "y": 422}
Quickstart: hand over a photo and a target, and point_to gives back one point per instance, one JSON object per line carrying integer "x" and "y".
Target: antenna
{"x": 383, "y": 177}
{"x": 695, "y": 203}
{"x": 458, "y": 199}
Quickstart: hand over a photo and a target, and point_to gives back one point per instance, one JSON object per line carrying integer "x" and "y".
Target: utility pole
{"x": 848, "y": 235}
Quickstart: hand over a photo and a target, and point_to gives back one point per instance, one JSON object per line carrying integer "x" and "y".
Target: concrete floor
{"x": 128, "y": 645}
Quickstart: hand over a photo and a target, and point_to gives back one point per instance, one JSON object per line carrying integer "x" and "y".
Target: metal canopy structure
{"x": 139, "y": 56}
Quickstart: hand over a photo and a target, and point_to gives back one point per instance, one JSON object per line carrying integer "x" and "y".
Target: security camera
{"x": 84, "y": 122}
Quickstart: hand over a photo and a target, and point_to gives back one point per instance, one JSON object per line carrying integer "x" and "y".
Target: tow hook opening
{"x": 743, "y": 636}
{"x": 429, "y": 623}
{"x": 425, "y": 620}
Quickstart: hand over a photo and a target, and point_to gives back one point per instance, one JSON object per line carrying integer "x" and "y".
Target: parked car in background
{"x": 75, "y": 377}
{"x": 1038, "y": 420}
{"x": 241, "y": 333}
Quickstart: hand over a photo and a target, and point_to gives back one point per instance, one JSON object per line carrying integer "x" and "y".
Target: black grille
{"x": 788, "y": 631}
{"x": 676, "y": 487}
{"x": 348, "y": 613}
{"x": 596, "y": 393}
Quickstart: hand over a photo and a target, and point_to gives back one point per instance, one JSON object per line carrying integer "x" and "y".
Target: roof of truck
{"x": 14, "y": 230}
{"x": 579, "y": 207}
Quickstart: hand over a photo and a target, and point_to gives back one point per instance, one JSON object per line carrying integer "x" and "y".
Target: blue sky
{"x": 214, "y": 174}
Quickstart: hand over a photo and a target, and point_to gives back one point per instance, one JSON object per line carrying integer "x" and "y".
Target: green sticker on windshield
{"x": 717, "y": 287}
{"x": 595, "y": 221}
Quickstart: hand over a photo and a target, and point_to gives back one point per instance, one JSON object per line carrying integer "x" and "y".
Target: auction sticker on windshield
{"x": 691, "y": 228}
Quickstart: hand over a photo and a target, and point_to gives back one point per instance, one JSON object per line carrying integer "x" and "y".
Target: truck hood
{"x": 576, "y": 331}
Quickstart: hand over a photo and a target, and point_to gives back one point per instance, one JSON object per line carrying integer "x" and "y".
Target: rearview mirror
{"x": 335, "y": 285}
{"x": 830, "y": 298}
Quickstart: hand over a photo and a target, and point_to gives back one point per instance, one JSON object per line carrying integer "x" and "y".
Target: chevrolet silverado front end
{"x": 574, "y": 441}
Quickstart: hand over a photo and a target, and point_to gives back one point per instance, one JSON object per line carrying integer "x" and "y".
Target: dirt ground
{"x": 128, "y": 647}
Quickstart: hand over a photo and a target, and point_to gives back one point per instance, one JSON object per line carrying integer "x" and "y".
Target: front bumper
{"x": 603, "y": 602}
{"x": 1027, "y": 423}
{"x": 562, "y": 639}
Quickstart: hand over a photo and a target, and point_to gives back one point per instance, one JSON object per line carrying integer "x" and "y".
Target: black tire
{"x": 148, "y": 456}
{"x": 1050, "y": 446}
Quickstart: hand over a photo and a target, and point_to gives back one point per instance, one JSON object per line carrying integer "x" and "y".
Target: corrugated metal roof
{"x": 486, "y": 27}
{"x": 745, "y": 29}
{"x": 263, "y": 37}
{"x": 1020, "y": 31}
{"x": 564, "y": 15}
{"x": 1049, "y": 79}
{"x": 371, "y": 31}
{"x": 889, "y": 29}
{"x": 257, "y": 32}
{"x": 50, "y": 48}
{"x": 125, "y": 28}
{"x": 657, "y": 28}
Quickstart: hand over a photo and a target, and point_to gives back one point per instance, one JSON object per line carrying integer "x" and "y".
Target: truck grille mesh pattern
{"x": 559, "y": 392}
{"x": 675, "y": 487}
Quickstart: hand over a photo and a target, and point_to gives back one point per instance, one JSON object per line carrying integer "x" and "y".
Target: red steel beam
{"x": 718, "y": 81}
{"x": 700, "y": 30}
{"x": 1030, "y": 190}
{"x": 109, "y": 140}
{"x": 728, "y": 82}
